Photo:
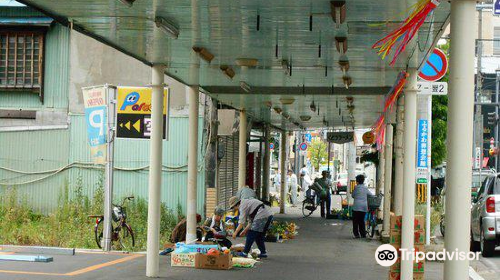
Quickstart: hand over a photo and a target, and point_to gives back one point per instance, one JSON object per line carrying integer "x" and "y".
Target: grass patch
{"x": 69, "y": 225}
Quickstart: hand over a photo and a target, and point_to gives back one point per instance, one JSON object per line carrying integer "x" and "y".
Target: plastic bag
{"x": 193, "y": 248}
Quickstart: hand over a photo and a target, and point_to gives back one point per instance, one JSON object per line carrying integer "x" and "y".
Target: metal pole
{"x": 329, "y": 154}
{"x": 283, "y": 149}
{"x": 108, "y": 191}
{"x": 410, "y": 135}
{"x": 388, "y": 179}
{"x": 351, "y": 169}
{"x": 194, "y": 101}
{"x": 398, "y": 150}
{"x": 242, "y": 163}
{"x": 460, "y": 122}
{"x": 267, "y": 165}
{"x": 429, "y": 177}
{"x": 155, "y": 168}
{"x": 497, "y": 88}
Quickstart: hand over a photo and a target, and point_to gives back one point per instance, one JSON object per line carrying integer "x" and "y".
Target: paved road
{"x": 323, "y": 250}
{"x": 489, "y": 268}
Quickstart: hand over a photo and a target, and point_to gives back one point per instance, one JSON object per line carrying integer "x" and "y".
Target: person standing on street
{"x": 293, "y": 187}
{"x": 306, "y": 182}
{"x": 360, "y": 207}
{"x": 325, "y": 195}
{"x": 257, "y": 217}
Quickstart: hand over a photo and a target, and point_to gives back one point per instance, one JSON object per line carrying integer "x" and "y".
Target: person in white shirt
{"x": 306, "y": 182}
{"x": 292, "y": 183}
{"x": 277, "y": 182}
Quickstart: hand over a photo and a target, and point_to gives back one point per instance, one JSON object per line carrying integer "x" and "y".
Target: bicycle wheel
{"x": 98, "y": 232}
{"x": 308, "y": 207}
{"x": 126, "y": 237}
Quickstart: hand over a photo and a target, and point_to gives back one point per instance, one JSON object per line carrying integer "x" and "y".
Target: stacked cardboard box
{"x": 419, "y": 242}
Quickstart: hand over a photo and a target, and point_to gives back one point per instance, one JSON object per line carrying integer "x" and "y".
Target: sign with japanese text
{"x": 134, "y": 112}
{"x": 422, "y": 144}
{"x": 94, "y": 99}
{"x": 422, "y": 151}
{"x": 432, "y": 88}
{"x": 340, "y": 137}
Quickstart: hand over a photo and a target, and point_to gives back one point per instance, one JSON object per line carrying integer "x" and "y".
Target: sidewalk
{"x": 323, "y": 249}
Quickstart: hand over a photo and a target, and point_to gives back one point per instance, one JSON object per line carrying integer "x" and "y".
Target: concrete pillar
{"x": 398, "y": 162}
{"x": 410, "y": 140}
{"x": 266, "y": 165}
{"x": 283, "y": 151}
{"x": 381, "y": 174}
{"x": 389, "y": 131}
{"x": 155, "y": 169}
{"x": 242, "y": 163}
{"x": 460, "y": 123}
{"x": 194, "y": 100}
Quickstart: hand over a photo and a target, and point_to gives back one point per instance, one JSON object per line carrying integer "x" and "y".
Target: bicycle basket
{"x": 374, "y": 202}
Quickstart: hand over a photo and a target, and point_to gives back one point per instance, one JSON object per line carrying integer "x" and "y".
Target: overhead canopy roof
{"x": 228, "y": 30}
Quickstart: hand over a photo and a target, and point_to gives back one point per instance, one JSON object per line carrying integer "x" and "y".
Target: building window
{"x": 496, "y": 42}
{"x": 21, "y": 61}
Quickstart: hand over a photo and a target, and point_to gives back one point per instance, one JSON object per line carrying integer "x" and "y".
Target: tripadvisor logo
{"x": 387, "y": 255}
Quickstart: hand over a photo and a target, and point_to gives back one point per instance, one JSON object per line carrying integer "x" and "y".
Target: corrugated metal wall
{"x": 33, "y": 151}
{"x": 44, "y": 150}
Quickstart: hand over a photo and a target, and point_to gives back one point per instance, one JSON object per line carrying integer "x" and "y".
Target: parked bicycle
{"x": 121, "y": 232}
{"x": 371, "y": 217}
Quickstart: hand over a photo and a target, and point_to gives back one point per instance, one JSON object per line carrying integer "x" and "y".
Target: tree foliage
{"x": 318, "y": 152}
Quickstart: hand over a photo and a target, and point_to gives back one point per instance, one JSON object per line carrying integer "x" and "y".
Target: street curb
{"x": 474, "y": 275}
{"x": 38, "y": 250}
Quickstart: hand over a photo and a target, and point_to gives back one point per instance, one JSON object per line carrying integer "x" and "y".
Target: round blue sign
{"x": 435, "y": 67}
{"x": 303, "y": 146}
{"x": 271, "y": 146}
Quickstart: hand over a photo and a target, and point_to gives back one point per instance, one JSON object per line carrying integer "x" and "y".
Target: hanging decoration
{"x": 378, "y": 129}
{"x": 395, "y": 91}
{"x": 402, "y": 36}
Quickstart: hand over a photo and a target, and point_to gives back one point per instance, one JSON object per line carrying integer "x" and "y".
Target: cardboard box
{"x": 417, "y": 267}
{"x": 418, "y": 237}
{"x": 221, "y": 262}
{"x": 396, "y": 222}
{"x": 397, "y": 276}
{"x": 183, "y": 259}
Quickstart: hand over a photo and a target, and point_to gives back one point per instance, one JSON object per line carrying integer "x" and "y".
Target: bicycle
{"x": 309, "y": 205}
{"x": 121, "y": 233}
{"x": 371, "y": 217}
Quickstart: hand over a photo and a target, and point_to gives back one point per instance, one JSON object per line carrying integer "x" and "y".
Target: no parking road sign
{"x": 435, "y": 67}
{"x": 303, "y": 146}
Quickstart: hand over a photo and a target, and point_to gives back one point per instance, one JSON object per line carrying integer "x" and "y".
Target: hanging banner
{"x": 134, "y": 112}
{"x": 422, "y": 151}
{"x": 340, "y": 137}
{"x": 94, "y": 99}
